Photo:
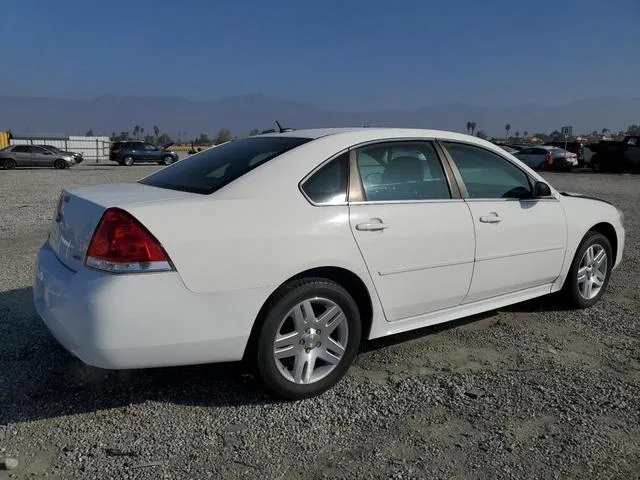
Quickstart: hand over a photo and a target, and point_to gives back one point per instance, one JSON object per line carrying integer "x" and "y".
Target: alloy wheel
{"x": 592, "y": 271}
{"x": 311, "y": 340}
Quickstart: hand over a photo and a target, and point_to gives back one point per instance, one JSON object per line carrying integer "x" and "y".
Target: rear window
{"x": 216, "y": 167}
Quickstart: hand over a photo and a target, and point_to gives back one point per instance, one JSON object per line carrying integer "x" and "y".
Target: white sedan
{"x": 287, "y": 249}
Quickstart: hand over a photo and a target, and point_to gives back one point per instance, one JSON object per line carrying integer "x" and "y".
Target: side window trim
{"x": 463, "y": 187}
{"x": 356, "y": 187}
{"x": 464, "y": 194}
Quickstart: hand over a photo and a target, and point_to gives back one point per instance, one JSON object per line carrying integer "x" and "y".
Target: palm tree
{"x": 518, "y": 134}
{"x": 156, "y": 131}
{"x": 525, "y": 134}
{"x": 136, "y": 131}
{"x": 468, "y": 127}
{"x": 142, "y": 132}
{"x": 507, "y": 128}
{"x": 473, "y": 127}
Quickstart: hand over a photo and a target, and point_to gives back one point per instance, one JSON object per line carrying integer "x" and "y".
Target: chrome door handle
{"x": 493, "y": 217}
{"x": 371, "y": 227}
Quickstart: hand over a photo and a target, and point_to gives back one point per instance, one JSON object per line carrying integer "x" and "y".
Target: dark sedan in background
{"x": 128, "y": 153}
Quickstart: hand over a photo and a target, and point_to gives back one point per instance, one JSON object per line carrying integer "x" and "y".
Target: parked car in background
{"x": 544, "y": 157}
{"x": 616, "y": 156}
{"x": 509, "y": 149}
{"x": 33, "y": 156}
{"x": 128, "y": 153}
{"x": 76, "y": 156}
{"x": 518, "y": 146}
{"x": 573, "y": 147}
{"x": 197, "y": 262}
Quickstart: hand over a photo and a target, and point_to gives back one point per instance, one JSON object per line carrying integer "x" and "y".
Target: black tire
{"x": 571, "y": 285}
{"x": 59, "y": 164}
{"x": 9, "y": 163}
{"x": 168, "y": 160}
{"x": 127, "y": 161}
{"x": 284, "y": 300}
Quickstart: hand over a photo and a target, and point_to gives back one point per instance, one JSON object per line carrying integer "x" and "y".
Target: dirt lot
{"x": 560, "y": 388}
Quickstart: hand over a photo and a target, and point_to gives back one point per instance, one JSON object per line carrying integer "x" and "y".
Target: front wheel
{"x": 168, "y": 160}
{"x": 59, "y": 164}
{"x": 589, "y": 274}
{"x": 308, "y": 339}
{"x": 128, "y": 161}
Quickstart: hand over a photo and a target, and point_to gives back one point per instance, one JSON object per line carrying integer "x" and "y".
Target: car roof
{"x": 312, "y": 133}
{"x": 356, "y": 133}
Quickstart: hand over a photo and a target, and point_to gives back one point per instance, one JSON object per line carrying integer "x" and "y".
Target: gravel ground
{"x": 556, "y": 391}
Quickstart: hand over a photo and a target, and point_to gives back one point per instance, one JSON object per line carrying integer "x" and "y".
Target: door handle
{"x": 493, "y": 217}
{"x": 371, "y": 226}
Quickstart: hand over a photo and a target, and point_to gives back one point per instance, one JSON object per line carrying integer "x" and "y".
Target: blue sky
{"x": 347, "y": 55}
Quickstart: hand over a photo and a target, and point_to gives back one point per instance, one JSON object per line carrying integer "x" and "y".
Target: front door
{"x": 149, "y": 152}
{"x": 41, "y": 157}
{"x": 520, "y": 241}
{"x": 417, "y": 241}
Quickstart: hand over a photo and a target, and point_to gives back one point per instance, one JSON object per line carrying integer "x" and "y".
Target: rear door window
{"x": 216, "y": 167}
{"x": 402, "y": 171}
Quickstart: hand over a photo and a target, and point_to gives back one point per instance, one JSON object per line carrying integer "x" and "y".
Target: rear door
{"x": 22, "y": 155}
{"x": 520, "y": 240}
{"x": 413, "y": 230}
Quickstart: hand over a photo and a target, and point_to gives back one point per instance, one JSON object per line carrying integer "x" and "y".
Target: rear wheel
{"x": 60, "y": 164}
{"x": 128, "y": 161}
{"x": 168, "y": 160}
{"x": 9, "y": 163}
{"x": 309, "y": 337}
{"x": 589, "y": 274}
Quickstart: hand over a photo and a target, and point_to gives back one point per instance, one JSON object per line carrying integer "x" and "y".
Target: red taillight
{"x": 549, "y": 160}
{"x": 121, "y": 244}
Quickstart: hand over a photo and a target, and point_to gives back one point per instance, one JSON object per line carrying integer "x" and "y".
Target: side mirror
{"x": 541, "y": 189}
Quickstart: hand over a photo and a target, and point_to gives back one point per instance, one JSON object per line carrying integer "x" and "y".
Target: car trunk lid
{"x": 80, "y": 209}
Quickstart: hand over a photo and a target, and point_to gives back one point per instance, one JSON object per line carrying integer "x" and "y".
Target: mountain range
{"x": 240, "y": 114}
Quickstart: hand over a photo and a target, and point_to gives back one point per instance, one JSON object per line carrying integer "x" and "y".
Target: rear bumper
{"x": 140, "y": 320}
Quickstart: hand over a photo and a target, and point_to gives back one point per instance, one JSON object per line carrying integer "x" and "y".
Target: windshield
{"x": 216, "y": 167}
{"x": 53, "y": 149}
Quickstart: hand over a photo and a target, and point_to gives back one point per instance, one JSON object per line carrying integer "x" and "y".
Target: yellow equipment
{"x": 5, "y": 139}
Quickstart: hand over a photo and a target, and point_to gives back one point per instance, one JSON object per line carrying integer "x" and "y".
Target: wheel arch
{"x": 2, "y": 160}
{"x": 608, "y": 231}
{"x": 350, "y": 281}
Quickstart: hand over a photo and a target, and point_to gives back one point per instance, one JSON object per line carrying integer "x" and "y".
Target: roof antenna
{"x": 281, "y": 129}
